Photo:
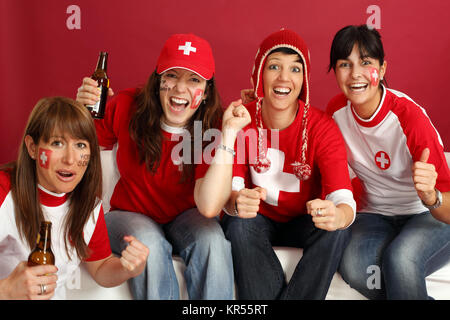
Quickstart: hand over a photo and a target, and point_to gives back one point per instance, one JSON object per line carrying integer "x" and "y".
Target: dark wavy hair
{"x": 63, "y": 116}
{"x": 145, "y": 125}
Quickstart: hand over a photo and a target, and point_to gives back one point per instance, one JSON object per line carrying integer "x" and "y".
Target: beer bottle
{"x": 98, "y": 110}
{"x": 42, "y": 253}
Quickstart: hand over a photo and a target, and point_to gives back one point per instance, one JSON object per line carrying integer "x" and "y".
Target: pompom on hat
{"x": 187, "y": 51}
{"x": 283, "y": 38}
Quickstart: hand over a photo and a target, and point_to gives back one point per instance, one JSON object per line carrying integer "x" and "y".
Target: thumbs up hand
{"x": 424, "y": 177}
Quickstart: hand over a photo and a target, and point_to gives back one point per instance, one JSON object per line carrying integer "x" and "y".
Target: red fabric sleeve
{"x": 331, "y": 157}
{"x": 99, "y": 247}
{"x": 116, "y": 114}
{"x": 421, "y": 134}
{"x": 5, "y": 185}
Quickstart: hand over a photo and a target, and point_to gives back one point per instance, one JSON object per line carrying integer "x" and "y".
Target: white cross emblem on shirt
{"x": 187, "y": 48}
{"x": 275, "y": 180}
{"x": 43, "y": 158}
{"x": 382, "y": 160}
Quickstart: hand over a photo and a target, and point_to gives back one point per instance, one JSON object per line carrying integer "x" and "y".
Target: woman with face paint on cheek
{"x": 57, "y": 178}
{"x": 394, "y": 150}
{"x": 163, "y": 196}
{"x": 181, "y": 93}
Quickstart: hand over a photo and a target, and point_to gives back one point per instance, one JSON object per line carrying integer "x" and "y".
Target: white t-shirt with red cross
{"x": 286, "y": 194}
{"x": 14, "y": 249}
{"x": 381, "y": 151}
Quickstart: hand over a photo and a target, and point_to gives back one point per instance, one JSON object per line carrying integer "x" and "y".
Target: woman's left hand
{"x": 424, "y": 177}
{"x": 134, "y": 257}
{"x": 325, "y": 215}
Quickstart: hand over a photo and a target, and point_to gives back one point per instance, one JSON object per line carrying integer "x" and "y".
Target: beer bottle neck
{"x": 44, "y": 238}
{"x": 102, "y": 61}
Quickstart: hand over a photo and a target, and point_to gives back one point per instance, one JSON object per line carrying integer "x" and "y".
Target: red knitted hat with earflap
{"x": 283, "y": 38}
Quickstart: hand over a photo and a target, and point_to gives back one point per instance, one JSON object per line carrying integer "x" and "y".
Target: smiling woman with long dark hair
{"x": 164, "y": 198}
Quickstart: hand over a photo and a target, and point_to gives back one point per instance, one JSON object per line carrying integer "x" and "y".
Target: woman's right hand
{"x": 235, "y": 117}
{"x": 25, "y": 283}
{"x": 89, "y": 93}
{"x": 248, "y": 200}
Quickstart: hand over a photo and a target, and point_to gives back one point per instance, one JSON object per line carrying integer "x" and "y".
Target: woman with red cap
{"x": 159, "y": 190}
{"x": 293, "y": 189}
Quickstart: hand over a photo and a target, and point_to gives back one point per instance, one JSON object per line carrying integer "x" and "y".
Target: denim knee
{"x": 238, "y": 230}
{"x": 360, "y": 271}
{"x": 398, "y": 262}
{"x": 209, "y": 242}
{"x": 352, "y": 270}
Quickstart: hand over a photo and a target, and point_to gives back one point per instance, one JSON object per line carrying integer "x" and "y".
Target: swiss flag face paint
{"x": 197, "y": 99}
{"x": 44, "y": 157}
{"x": 374, "y": 76}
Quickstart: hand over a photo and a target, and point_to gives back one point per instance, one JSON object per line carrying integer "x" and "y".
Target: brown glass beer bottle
{"x": 42, "y": 253}
{"x": 98, "y": 110}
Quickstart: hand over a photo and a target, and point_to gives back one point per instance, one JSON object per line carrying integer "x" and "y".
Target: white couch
{"x": 84, "y": 287}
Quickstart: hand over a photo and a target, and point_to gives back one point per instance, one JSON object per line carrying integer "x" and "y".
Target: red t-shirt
{"x": 286, "y": 194}
{"x": 159, "y": 195}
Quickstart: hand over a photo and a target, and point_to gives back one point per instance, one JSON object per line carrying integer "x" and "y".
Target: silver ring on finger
{"x": 319, "y": 212}
{"x": 43, "y": 289}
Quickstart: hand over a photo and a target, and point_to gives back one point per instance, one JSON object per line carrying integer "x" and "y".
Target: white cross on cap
{"x": 187, "y": 48}
{"x": 275, "y": 180}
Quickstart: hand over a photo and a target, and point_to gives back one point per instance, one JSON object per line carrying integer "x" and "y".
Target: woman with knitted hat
{"x": 293, "y": 188}
{"x": 398, "y": 156}
{"x": 159, "y": 190}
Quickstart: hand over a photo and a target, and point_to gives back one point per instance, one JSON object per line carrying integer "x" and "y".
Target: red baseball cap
{"x": 187, "y": 51}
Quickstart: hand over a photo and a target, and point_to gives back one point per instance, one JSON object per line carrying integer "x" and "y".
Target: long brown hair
{"x": 145, "y": 125}
{"x": 66, "y": 116}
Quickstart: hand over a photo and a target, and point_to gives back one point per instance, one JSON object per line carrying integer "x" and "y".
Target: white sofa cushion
{"x": 84, "y": 287}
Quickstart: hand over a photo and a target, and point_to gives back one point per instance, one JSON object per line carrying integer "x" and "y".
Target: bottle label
{"x": 95, "y": 107}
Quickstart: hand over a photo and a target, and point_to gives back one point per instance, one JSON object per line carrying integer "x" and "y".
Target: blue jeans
{"x": 403, "y": 250}
{"x": 199, "y": 241}
{"x": 258, "y": 272}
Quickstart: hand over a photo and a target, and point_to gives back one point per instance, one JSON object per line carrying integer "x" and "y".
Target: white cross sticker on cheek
{"x": 374, "y": 76}
{"x": 44, "y": 157}
{"x": 197, "y": 99}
